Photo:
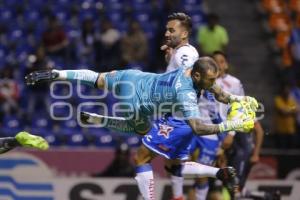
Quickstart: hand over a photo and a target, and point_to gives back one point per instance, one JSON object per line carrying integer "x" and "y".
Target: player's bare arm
{"x": 220, "y": 95}
{"x": 200, "y": 128}
{"x": 226, "y": 98}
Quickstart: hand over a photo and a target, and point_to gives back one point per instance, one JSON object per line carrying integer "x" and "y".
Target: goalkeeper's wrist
{"x": 235, "y": 98}
{"x": 229, "y": 125}
{"x": 222, "y": 127}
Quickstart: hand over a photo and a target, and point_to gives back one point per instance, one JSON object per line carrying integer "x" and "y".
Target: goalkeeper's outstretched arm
{"x": 226, "y": 97}
{"x": 201, "y": 128}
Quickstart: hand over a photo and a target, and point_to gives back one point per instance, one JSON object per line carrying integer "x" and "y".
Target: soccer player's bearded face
{"x": 175, "y": 33}
{"x": 207, "y": 80}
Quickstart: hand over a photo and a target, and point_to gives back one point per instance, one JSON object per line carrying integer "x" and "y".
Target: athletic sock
{"x": 201, "y": 190}
{"x": 197, "y": 170}
{"x": 7, "y": 144}
{"x": 85, "y": 76}
{"x": 176, "y": 180}
{"x": 177, "y": 186}
{"x": 145, "y": 181}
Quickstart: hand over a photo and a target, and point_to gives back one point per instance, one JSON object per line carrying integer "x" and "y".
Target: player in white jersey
{"x": 248, "y": 150}
{"x": 226, "y": 81}
{"x": 211, "y": 143}
{"x": 182, "y": 56}
{"x": 179, "y": 53}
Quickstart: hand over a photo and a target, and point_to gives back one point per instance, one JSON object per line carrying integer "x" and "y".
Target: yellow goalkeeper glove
{"x": 251, "y": 100}
{"x": 241, "y": 125}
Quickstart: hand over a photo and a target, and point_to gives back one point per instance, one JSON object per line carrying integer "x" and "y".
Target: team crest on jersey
{"x": 165, "y": 130}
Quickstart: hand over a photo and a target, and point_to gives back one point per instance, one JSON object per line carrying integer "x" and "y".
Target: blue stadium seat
{"x": 62, "y": 13}
{"x": 90, "y": 13}
{"x": 113, "y": 5}
{"x": 41, "y": 124}
{"x": 69, "y": 127}
{"x": 36, "y": 4}
{"x": 73, "y": 32}
{"x": 11, "y": 125}
{"x": 22, "y": 51}
{"x": 133, "y": 140}
{"x": 102, "y": 137}
{"x": 13, "y": 3}
{"x": 6, "y": 14}
{"x": 53, "y": 139}
{"x": 63, "y": 3}
{"x": 149, "y": 30}
{"x": 3, "y": 52}
{"x": 31, "y": 15}
{"x": 141, "y": 5}
{"x": 60, "y": 110}
{"x": 191, "y": 2}
{"x": 121, "y": 26}
{"x": 16, "y": 34}
{"x": 77, "y": 139}
{"x": 115, "y": 16}
{"x": 62, "y": 91}
{"x": 142, "y": 17}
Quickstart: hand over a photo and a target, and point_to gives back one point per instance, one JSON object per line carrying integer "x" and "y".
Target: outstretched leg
{"x": 116, "y": 123}
{"x": 144, "y": 173}
{"x": 7, "y": 144}
{"x": 87, "y": 77}
{"x": 196, "y": 170}
{"x": 22, "y": 139}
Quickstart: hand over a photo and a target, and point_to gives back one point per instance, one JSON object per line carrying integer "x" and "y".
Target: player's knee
{"x": 139, "y": 160}
{"x": 142, "y": 156}
{"x": 136, "y": 159}
{"x": 143, "y": 128}
{"x": 174, "y": 170}
{"x": 201, "y": 181}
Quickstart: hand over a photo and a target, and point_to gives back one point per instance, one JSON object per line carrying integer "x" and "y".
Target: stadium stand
{"x": 23, "y": 26}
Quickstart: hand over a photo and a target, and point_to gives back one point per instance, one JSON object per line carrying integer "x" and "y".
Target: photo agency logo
{"x": 69, "y": 100}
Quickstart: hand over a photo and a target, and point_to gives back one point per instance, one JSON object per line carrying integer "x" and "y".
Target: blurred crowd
{"x": 93, "y": 34}
{"x": 283, "y": 23}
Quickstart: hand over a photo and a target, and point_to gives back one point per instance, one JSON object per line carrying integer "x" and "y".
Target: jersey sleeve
{"x": 240, "y": 89}
{"x": 185, "y": 57}
{"x": 187, "y": 104}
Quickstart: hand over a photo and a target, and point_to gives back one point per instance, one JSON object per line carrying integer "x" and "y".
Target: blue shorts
{"x": 170, "y": 138}
{"x": 208, "y": 149}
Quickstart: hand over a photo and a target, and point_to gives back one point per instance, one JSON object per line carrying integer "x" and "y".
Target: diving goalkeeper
{"x": 143, "y": 94}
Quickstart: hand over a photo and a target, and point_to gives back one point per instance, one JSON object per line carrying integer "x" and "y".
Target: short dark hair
{"x": 212, "y": 17}
{"x": 184, "y": 19}
{"x": 205, "y": 64}
{"x": 219, "y": 53}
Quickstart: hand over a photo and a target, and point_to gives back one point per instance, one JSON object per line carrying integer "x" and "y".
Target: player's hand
{"x": 242, "y": 125}
{"x": 254, "y": 158}
{"x": 164, "y": 47}
{"x": 252, "y": 102}
{"x": 168, "y": 52}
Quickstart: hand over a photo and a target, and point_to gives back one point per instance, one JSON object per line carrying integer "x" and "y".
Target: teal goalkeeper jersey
{"x": 149, "y": 94}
